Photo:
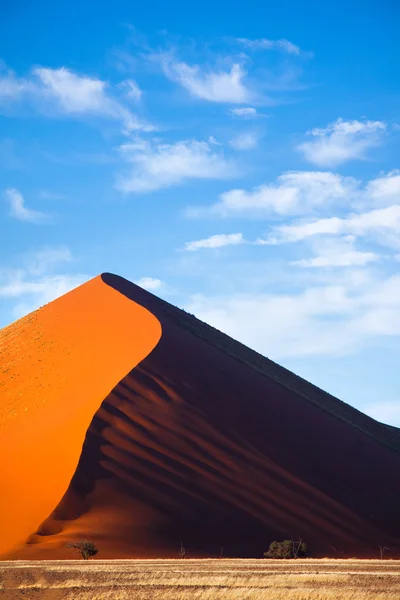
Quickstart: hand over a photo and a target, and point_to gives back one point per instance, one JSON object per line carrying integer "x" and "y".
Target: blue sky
{"x": 240, "y": 161}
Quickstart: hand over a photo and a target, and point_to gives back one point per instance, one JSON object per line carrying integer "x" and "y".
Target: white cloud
{"x": 44, "y": 289}
{"x": 19, "y": 211}
{"x": 341, "y": 141}
{"x": 149, "y": 283}
{"x": 329, "y": 320}
{"x": 155, "y": 165}
{"x": 244, "y": 141}
{"x": 36, "y": 282}
{"x": 131, "y": 89}
{"x": 265, "y": 44}
{"x": 385, "y": 412}
{"x": 245, "y": 112}
{"x": 47, "y": 258}
{"x": 75, "y": 93}
{"x": 333, "y": 252}
{"x": 278, "y": 325}
{"x": 305, "y": 192}
{"x": 295, "y": 192}
{"x": 212, "y": 140}
{"x": 57, "y": 92}
{"x": 79, "y": 94}
{"x": 385, "y": 189}
{"x": 380, "y": 220}
{"x": 205, "y": 83}
{"x": 11, "y": 86}
{"x": 216, "y": 241}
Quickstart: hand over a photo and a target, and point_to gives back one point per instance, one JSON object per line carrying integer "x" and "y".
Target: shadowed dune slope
{"x": 209, "y": 443}
{"x": 57, "y": 365}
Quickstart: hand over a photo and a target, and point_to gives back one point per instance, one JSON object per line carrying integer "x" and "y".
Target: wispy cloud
{"x": 46, "y": 259}
{"x": 216, "y": 241}
{"x": 378, "y": 221}
{"x": 150, "y": 283}
{"x": 265, "y": 44}
{"x": 61, "y": 92}
{"x": 37, "y": 281}
{"x": 330, "y": 320}
{"x": 131, "y": 89}
{"x": 246, "y": 112}
{"x": 309, "y": 192}
{"x": 207, "y": 83}
{"x": 33, "y": 293}
{"x": 385, "y": 189}
{"x": 19, "y": 211}
{"x": 154, "y": 165}
{"x": 295, "y": 192}
{"x": 13, "y": 87}
{"x": 333, "y": 253}
{"x": 74, "y": 93}
{"x": 245, "y": 141}
{"x": 79, "y": 94}
{"x": 45, "y": 288}
{"x": 341, "y": 141}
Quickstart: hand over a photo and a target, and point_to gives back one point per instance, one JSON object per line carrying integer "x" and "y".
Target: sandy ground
{"x": 56, "y": 366}
{"x": 201, "y": 579}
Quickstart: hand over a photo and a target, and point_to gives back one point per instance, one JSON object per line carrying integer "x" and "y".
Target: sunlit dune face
{"x": 57, "y": 365}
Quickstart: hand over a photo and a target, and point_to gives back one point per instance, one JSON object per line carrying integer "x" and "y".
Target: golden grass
{"x": 201, "y": 579}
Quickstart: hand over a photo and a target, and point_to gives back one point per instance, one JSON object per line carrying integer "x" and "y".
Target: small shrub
{"x": 86, "y": 548}
{"x": 286, "y": 549}
{"x": 182, "y": 551}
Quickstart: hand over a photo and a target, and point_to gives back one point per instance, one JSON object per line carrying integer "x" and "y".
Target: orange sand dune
{"x": 207, "y": 442}
{"x": 57, "y": 365}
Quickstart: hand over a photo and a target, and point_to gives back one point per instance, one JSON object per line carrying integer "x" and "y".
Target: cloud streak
{"x": 19, "y": 211}
{"x": 321, "y": 320}
{"x": 154, "y": 165}
{"x": 266, "y": 44}
{"x": 150, "y": 283}
{"x": 207, "y": 83}
{"x": 294, "y": 192}
{"x": 37, "y": 281}
{"x": 247, "y": 140}
{"x": 61, "y": 92}
{"x": 341, "y": 142}
{"x": 247, "y": 112}
{"x": 308, "y": 192}
{"x": 381, "y": 220}
{"x": 336, "y": 253}
{"x": 216, "y": 241}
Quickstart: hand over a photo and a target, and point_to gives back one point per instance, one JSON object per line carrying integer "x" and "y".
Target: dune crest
{"x": 57, "y": 365}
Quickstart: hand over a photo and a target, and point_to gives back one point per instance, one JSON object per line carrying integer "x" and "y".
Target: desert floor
{"x": 209, "y": 579}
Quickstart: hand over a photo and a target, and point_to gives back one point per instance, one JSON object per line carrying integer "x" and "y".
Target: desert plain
{"x": 215, "y": 579}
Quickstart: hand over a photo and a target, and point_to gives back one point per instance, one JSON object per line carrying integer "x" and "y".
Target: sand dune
{"x": 57, "y": 365}
{"x": 207, "y": 442}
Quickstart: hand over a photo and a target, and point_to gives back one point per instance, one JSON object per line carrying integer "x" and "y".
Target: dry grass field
{"x": 201, "y": 579}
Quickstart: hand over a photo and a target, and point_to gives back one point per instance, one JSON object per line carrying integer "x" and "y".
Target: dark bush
{"x": 286, "y": 549}
{"x": 86, "y": 548}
